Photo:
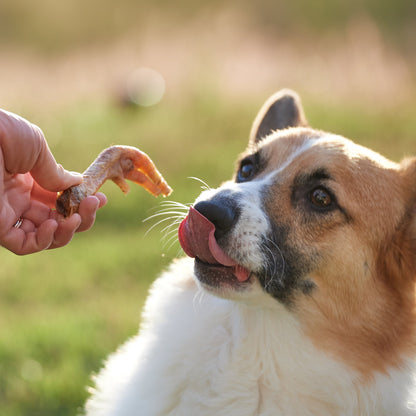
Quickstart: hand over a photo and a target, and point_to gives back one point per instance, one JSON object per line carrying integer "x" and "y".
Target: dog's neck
{"x": 268, "y": 344}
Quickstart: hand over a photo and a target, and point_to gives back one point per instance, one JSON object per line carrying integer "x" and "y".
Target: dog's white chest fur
{"x": 201, "y": 355}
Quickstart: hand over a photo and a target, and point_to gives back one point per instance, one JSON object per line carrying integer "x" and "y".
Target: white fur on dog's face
{"x": 274, "y": 204}
{"x": 245, "y": 241}
{"x": 322, "y": 262}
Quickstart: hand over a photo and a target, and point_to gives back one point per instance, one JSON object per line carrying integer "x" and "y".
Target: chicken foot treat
{"x": 116, "y": 163}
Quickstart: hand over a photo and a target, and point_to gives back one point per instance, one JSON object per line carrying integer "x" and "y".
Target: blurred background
{"x": 182, "y": 80}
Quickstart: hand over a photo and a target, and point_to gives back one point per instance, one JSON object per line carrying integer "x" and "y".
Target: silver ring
{"x": 18, "y": 223}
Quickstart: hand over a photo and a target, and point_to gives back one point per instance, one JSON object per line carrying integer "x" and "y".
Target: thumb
{"x": 25, "y": 149}
{"x": 47, "y": 173}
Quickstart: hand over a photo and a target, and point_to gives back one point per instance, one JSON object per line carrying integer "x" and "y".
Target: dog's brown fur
{"x": 364, "y": 312}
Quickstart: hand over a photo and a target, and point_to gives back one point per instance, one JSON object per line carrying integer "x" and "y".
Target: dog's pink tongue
{"x": 196, "y": 236}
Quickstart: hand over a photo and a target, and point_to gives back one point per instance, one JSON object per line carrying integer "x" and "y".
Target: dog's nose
{"x": 222, "y": 215}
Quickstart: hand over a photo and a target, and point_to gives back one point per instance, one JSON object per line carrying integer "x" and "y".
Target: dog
{"x": 297, "y": 296}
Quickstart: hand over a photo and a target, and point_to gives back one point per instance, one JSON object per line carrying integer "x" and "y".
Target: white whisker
{"x": 204, "y": 186}
{"x": 161, "y": 222}
{"x": 164, "y": 212}
{"x": 175, "y": 204}
{"x": 168, "y": 229}
{"x": 172, "y": 213}
{"x": 273, "y": 268}
{"x": 179, "y": 253}
{"x": 172, "y": 240}
{"x": 170, "y": 235}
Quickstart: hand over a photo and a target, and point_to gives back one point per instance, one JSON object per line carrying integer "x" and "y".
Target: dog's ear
{"x": 280, "y": 111}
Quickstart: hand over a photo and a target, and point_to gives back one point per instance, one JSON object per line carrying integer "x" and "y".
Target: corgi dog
{"x": 297, "y": 295}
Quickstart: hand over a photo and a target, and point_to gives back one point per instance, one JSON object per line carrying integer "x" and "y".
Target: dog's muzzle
{"x": 199, "y": 231}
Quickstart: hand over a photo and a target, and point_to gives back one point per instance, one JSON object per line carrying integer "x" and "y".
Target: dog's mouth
{"x": 212, "y": 265}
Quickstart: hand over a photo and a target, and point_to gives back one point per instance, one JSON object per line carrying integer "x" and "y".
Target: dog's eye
{"x": 321, "y": 198}
{"x": 246, "y": 171}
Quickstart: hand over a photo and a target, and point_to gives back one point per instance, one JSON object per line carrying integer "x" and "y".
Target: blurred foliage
{"x": 77, "y": 22}
{"x": 398, "y": 17}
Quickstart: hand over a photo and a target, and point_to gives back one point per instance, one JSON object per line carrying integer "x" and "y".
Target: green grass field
{"x": 63, "y": 311}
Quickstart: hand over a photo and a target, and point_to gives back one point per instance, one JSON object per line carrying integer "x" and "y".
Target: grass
{"x": 63, "y": 311}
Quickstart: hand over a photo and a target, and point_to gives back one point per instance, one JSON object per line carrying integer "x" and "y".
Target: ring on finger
{"x": 18, "y": 223}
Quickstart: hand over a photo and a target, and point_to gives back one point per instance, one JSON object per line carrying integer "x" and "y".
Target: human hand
{"x": 29, "y": 181}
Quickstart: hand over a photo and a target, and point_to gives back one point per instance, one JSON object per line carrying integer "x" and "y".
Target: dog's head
{"x": 319, "y": 224}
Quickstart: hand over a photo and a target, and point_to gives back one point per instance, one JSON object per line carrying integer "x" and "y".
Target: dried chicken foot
{"x": 116, "y": 163}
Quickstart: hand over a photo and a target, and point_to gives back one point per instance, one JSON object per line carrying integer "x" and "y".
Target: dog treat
{"x": 116, "y": 163}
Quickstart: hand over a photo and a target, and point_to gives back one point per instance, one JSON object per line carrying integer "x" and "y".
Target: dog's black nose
{"x": 223, "y": 214}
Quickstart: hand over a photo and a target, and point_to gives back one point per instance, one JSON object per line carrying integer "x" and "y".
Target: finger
{"x": 37, "y": 212}
{"x": 20, "y": 242}
{"x": 40, "y": 194}
{"x": 102, "y": 198}
{"x": 19, "y": 142}
{"x": 48, "y": 174}
{"x": 65, "y": 231}
{"x": 87, "y": 210}
{"x": 49, "y": 198}
{"x": 27, "y": 226}
{"x": 82, "y": 221}
{"x": 25, "y": 150}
